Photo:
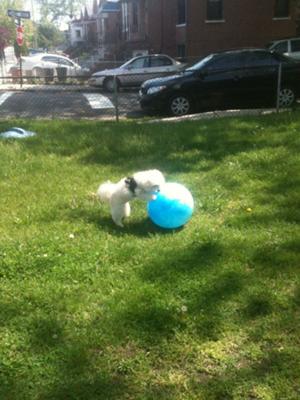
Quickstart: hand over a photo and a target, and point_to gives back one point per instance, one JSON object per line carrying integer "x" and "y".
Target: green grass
{"x": 91, "y": 311}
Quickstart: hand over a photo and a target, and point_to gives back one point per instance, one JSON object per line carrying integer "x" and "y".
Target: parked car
{"x": 239, "y": 78}
{"x": 37, "y": 64}
{"x": 288, "y": 47}
{"x": 136, "y": 71}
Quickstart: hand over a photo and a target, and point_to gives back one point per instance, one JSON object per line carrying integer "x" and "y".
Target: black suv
{"x": 230, "y": 79}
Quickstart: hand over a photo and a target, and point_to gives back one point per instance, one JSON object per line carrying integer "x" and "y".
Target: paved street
{"x": 45, "y": 103}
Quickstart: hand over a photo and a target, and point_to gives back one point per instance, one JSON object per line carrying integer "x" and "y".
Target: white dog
{"x": 142, "y": 185}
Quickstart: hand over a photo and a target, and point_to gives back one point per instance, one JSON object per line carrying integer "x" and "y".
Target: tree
{"x": 48, "y": 35}
{"x": 8, "y": 27}
{"x": 53, "y": 10}
{"x": 7, "y": 22}
{"x": 4, "y": 37}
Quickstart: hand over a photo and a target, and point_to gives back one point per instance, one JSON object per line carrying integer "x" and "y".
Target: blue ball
{"x": 173, "y": 206}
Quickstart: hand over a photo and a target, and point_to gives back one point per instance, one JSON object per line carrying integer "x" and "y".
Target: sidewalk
{"x": 51, "y": 87}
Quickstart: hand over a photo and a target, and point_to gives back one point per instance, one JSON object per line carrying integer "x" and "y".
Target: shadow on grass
{"x": 135, "y": 146}
{"x": 148, "y": 318}
{"x": 281, "y": 258}
{"x": 257, "y": 306}
{"x": 99, "y": 385}
{"x": 196, "y": 260}
{"x": 250, "y": 379}
{"x": 69, "y": 370}
{"x": 141, "y": 227}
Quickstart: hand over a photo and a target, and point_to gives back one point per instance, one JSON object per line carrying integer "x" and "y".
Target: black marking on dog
{"x": 131, "y": 183}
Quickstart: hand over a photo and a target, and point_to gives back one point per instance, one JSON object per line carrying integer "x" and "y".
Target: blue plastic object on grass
{"x": 16, "y": 133}
{"x": 173, "y": 206}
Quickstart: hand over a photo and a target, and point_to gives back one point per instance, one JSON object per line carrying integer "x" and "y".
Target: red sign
{"x": 20, "y": 31}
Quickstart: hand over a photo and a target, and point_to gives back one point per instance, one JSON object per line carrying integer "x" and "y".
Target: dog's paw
{"x": 118, "y": 222}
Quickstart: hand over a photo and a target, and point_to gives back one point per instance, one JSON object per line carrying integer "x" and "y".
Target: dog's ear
{"x": 131, "y": 183}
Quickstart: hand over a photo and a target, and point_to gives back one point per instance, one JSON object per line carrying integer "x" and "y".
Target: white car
{"x": 288, "y": 47}
{"x": 135, "y": 71}
{"x": 37, "y": 65}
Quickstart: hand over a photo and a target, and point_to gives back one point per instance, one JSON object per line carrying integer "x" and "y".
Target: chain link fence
{"x": 53, "y": 93}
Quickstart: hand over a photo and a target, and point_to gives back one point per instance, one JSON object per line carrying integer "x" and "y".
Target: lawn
{"x": 90, "y": 311}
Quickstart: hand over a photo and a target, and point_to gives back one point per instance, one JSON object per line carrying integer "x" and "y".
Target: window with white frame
{"x": 181, "y": 12}
{"x": 282, "y": 9}
{"x": 214, "y": 10}
{"x": 125, "y": 29}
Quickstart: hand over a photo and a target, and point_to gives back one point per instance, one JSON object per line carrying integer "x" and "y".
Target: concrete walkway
{"x": 52, "y": 87}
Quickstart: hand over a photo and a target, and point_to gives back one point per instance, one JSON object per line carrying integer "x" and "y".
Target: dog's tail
{"x": 105, "y": 191}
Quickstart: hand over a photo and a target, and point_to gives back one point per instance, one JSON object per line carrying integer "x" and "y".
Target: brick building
{"x": 220, "y": 24}
{"x": 193, "y": 28}
{"x": 98, "y": 29}
{"x": 181, "y": 28}
{"x": 134, "y": 17}
{"x": 108, "y": 30}
{"x": 83, "y": 30}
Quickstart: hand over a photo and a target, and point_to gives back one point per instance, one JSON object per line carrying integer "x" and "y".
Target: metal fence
{"x": 54, "y": 94}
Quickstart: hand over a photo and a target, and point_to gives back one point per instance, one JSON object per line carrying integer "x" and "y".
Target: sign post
{"x": 20, "y": 31}
{"x": 18, "y": 15}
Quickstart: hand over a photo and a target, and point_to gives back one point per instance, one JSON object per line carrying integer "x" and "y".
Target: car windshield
{"x": 133, "y": 63}
{"x": 269, "y": 45}
{"x": 200, "y": 63}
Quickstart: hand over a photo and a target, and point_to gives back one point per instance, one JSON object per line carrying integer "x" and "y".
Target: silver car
{"x": 135, "y": 71}
{"x": 288, "y": 47}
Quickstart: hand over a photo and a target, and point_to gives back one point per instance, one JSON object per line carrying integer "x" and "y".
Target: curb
{"x": 218, "y": 114}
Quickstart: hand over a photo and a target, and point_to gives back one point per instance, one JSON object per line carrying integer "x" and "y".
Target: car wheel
{"x": 286, "y": 97}
{"x": 109, "y": 84}
{"x": 180, "y": 105}
{"x": 37, "y": 72}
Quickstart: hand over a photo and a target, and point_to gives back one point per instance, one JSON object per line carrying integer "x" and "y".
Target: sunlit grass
{"x": 92, "y": 311}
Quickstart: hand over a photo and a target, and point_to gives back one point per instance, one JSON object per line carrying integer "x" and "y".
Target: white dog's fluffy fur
{"x": 142, "y": 185}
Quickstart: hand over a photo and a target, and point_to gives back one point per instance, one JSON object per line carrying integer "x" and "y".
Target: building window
{"x": 135, "y": 17}
{"x": 282, "y": 9}
{"x": 181, "y": 12}
{"x": 78, "y": 34}
{"x": 125, "y": 25}
{"x": 214, "y": 10}
{"x": 181, "y": 51}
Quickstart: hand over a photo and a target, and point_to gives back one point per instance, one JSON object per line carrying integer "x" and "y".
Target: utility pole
{"x": 33, "y": 20}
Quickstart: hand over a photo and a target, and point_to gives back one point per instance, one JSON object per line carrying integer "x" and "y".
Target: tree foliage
{"x": 53, "y": 10}
{"x": 7, "y": 23}
{"x": 8, "y": 26}
{"x": 43, "y": 34}
{"x": 48, "y": 35}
